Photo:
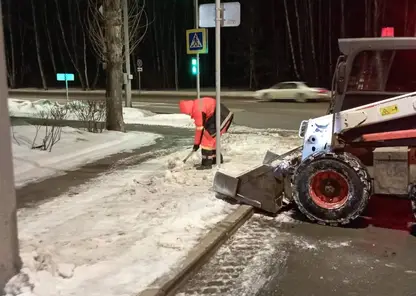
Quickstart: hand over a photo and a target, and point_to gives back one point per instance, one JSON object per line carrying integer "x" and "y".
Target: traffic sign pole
{"x": 198, "y": 77}
{"x": 139, "y": 72}
{"x": 218, "y": 78}
{"x": 65, "y": 77}
{"x": 127, "y": 53}
{"x": 67, "y": 88}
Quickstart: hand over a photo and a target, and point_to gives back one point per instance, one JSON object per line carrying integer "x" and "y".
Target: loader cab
{"x": 374, "y": 69}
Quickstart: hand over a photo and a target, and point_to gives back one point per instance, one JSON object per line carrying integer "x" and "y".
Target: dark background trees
{"x": 277, "y": 40}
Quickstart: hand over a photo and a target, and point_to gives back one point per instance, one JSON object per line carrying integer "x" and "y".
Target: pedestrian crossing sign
{"x": 196, "y": 41}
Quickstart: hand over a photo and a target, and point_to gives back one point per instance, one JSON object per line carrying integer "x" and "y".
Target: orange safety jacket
{"x": 202, "y": 111}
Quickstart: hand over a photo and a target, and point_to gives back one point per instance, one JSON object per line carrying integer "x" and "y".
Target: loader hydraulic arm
{"x": 318, "y": 132}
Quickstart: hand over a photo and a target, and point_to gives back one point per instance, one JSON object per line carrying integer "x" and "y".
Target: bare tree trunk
{"x": 71, "y": 58}
{"x": 315, "y": 64}
{"x": 11, "y": 59}
{"x": 158, "y": 63}
{"x": 22, "y": 35}
{"x": 252, "y": 57}
{"x": 276, "y": 44}
{"x": 97, "y": 75}
{"x": 61, "y": 54}
{"x": 48, "y": 37}
{"x": 35, "y": 28}
{"x": 295, "y": 68}
{"x": 114, "y": 45}
{"x": 302, "y": 64}
{"x": 175, "y": 50}
{"x": 342, "y": 19}
{"x": 84, "y": 46}
{"x": 252, "y": 50}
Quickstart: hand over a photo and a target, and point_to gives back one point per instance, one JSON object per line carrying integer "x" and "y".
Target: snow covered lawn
{"x": 25, "y": 108}
{"x": 74, "y": 149}
{"x": 117, "y": 234}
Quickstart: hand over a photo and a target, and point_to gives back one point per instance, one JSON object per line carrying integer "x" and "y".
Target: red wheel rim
{"x": 328, "y": 189}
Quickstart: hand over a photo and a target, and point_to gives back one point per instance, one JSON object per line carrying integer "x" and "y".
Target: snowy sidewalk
{"x": 118, "y": 233}
{"x": 74, "y": 149}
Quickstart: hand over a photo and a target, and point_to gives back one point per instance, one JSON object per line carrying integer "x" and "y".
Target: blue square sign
{"x": 65, "y": 77}
{"x": 196, "y": 41}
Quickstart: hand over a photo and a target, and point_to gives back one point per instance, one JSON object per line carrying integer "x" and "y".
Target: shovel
{"x": 189, "y": 155}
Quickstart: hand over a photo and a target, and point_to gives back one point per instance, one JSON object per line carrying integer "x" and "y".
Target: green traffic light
{"x": 194, "y": 67}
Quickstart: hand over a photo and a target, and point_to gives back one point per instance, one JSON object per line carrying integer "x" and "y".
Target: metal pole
{"x": 127, "y": 52}
{"x": 218, "y": 77}
{"x": 198, "y": 77}
{"x": 66, "y": 86}
{"x": 10, "y": 261}
{"x": 140, "y": 82}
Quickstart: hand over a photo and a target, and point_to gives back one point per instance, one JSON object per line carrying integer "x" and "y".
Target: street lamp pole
{"x": 218, "y": 21}
{"x": 10, "y": 261}
{"x": 198, "y": 80}
{"x": 127, "y": 52}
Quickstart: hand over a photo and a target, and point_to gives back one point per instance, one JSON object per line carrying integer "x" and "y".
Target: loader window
{"x": 384, "y": 71}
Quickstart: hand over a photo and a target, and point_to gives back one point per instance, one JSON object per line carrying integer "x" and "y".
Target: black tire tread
{"x": 356, "y": 165}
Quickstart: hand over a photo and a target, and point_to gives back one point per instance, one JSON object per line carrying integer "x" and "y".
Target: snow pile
{"x": 117, "y": 234}
{"x": 24, "y": 108}
{"x": 74, "y": 149}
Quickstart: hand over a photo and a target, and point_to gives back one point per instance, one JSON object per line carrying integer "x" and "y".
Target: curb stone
{"x": 168, "y": 284}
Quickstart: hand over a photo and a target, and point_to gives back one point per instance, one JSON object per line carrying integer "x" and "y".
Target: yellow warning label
{"x": 389, "y": 110}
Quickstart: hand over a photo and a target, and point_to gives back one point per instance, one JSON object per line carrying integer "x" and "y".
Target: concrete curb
{"x": 168, "y": 284}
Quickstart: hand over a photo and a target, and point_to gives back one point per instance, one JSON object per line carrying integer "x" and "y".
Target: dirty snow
{"x": 117, "y": 234}
{"x": 74, "y": 149}
{"x": 25, "y": 108}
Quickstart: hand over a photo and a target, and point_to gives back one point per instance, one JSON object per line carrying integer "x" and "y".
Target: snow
{"x": 118, "y": 233}
{"x": 76, "y": 148}
{"x": 25, "y": 108}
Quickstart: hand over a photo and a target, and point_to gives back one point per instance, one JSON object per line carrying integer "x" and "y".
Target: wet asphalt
{"x": 248, "y": 112}
{"x": 276, "y": 256}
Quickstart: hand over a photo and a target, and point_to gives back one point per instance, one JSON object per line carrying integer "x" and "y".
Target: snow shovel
{"x": 189, "y": 155}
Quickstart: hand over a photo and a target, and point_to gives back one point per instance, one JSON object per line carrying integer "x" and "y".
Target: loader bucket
{"x": 257, "y": 187}
{"x": 263, "y": 187}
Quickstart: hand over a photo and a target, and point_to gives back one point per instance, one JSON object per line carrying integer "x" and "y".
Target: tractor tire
{"x": 331, "y": 189}
{"x": 412, "y": 197}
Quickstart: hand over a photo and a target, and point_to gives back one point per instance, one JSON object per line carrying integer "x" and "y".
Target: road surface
{"x": 284, "y": 257}
{"x": 248, "y": 112}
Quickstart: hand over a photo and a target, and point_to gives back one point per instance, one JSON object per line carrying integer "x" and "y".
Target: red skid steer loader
{"x": 364, "y": 146}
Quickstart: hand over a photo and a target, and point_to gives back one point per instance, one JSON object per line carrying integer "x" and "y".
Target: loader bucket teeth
{"x": 225, "y": 185}
{"x": 270, "y": 157}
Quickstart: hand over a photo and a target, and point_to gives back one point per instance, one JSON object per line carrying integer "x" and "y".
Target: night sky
{"x": 256, "y": 54}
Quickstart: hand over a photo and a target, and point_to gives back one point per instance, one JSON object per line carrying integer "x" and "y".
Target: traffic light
{"x": 194, "y": 66}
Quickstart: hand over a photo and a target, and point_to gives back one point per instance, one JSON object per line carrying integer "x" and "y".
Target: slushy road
{"x": 248, "y": 112}
{"x": 283, "y": 257}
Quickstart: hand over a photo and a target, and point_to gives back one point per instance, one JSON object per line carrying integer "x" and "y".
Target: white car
{"x": 295, "y": 90}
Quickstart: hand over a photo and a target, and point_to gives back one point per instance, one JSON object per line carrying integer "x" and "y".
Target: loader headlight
{"x": 303, "y": 127}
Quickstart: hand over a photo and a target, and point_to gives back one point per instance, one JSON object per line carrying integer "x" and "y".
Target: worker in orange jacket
{"x": 202, "y": 111}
